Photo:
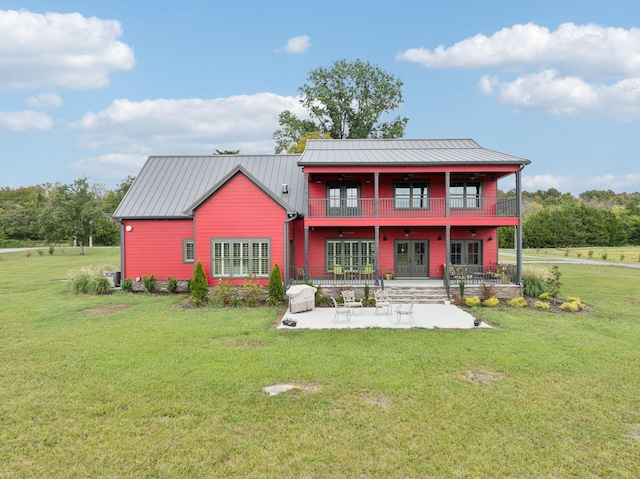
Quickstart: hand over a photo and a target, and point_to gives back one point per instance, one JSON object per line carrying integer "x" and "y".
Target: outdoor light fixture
{"x": 406, "y": 232}
{"x": 285, "y": 189}
{"x": 129, "y": 228}
{"x": 473, "y": 232}
{"x": 384, "y": 238}
{"x": 439, "y": 238}
{"x": 490, "y": 238}
{"x": 340, "y": 232}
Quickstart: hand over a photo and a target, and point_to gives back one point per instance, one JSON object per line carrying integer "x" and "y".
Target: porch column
{"x": 306, "y": 252}
{"x": 376, "y": 199}
{"x": 447, "y": 208}
{"x": 518, "y": 238}
{"x": 377, "y": 246}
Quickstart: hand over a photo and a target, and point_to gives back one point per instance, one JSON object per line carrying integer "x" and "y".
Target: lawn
{"x": 138, "y": 386}
{"x": 622, "y": 254}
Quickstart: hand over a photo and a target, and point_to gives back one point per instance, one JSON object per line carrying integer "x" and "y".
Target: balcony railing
{"x": 412, "y": 208}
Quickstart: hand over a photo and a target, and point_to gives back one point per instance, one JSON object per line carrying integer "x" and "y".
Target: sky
{"x": 91, "y": 88}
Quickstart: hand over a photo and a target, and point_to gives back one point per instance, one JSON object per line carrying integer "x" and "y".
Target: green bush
{"x": 101, "y": 285}
{"x": 251, "y": 291}
{"x": 472, "y": 301}
{"x": 223, "y": 293}
{"x": 199, "y": 287}
{"x": 172, "y": 284}
{"x": 519, "y": 302}
{"x": 149, "y": 283}
{"x": 80, "y": 283}
{"x": 85, "y": 280}
{"x": 604, "y": 256}
{"x": 276, "y": 288}
{"x": 534, "y": 281}
{"x": 127, "y": 285}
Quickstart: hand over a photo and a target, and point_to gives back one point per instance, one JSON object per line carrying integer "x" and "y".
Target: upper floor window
{"x": 344, "y": 200}
{"x": 465, "y": 194}
{"x": 411, "y": 195}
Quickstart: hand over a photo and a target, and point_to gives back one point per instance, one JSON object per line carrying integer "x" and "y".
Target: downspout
{"x": 287, "y": 266}
{"x": 122, "y": 273}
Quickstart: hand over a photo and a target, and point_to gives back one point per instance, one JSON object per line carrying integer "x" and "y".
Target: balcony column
{"x": 518, "y": 238}
{"x": 447, "y": 208}
{"x": 377, "y": 258}
{"x": 376, "y": 198}
{"x": 306, "y": 252}
{"x": 305, "y": 208}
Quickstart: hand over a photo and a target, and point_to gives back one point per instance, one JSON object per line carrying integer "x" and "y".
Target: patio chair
{"x": 350, "y": 300}
{"x": 341, "y": 310}
{"x": 403, "y": 309}
{"x": 337, "y": 272}
{"x": 367, "y": 272}
{"x": 300, "y": 273}
{"x": 382, "y": 301}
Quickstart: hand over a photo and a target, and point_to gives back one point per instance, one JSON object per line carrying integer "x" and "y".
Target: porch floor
{"x": 429, "y": 316}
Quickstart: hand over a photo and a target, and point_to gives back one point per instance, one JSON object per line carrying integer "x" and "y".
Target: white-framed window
{"x": 411, "y": 195}
{"x": 238, "y": 258}
{"x": 465, "y": 194}
{"x": 352, "y": 255}
{"x": 188, "y": 251}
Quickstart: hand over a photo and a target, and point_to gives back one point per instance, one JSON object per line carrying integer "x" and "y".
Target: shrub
{"x": 461, "y": 286}
{"x": 40, "y": 252}
{"x": 579, "y": 254}
{"x": 568, "y": 306}
{"x": 604, "y": 256}
{"x": 251, "y": 291}
{"x": 566, "y": 253}
{"x": 472, "y": 301}
{"x": 127, "y": 285}
{"x": 199, "y": 286}
{"x": 366, "y": 293}
{"x": 85, "y": 280}
{"x": 172, "y": 284}
{"x": 545, "y": 296}
{"x": 575, "y": 300}
{"x": 80, "y": 282}
{"x": 621, "y": 256}
{"x": 541, "y": 305}
{"x": 590, "y": 254}
{"x": 553, "y": 282}
{"x": 276, "y": 288}
{"x": 487, "y": 291}
{"x": 149, "y": 283}
{"x": 491, "y": 302}
{"x": 223, "y": 293}
{"x": 519, "y": 302}
{"x": 52, "y": 249}
{"x": 101, "y": 285}
{"x": 534, "y": 281}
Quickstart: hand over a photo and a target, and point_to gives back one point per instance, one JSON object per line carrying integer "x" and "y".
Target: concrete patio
{"x": 429, "y": 316}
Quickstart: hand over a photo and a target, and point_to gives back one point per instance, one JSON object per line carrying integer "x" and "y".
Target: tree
{"x": 198, "y": 286}
{"x": 276, "y": 288}
{"x": 345, "y": 101}
{"x": 299, "y": 147}
{"x": 69, "y": 214}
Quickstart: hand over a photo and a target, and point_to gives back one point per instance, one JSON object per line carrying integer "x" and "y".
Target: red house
{"x": 353, "y": 211}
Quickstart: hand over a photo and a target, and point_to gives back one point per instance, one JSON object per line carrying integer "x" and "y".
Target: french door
{"x": 466, "y": 252}
{"x": 411, "y": 258}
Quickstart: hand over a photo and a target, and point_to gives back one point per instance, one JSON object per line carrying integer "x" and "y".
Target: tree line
{"x": 560, "y": 220}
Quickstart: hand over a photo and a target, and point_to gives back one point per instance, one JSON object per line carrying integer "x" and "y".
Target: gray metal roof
{"x": 395, "y": 152}
{"x": 172, "y": 186}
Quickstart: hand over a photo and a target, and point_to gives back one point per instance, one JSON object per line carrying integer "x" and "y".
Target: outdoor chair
{"x": 300, "y": 273}
{"x": 367, "y": 272}
{"x": 337, "y": 272}
{"x": 341, "y": 310}
{"x": 382, "y": 301}
{"x": 350, "y": 300}
{"x": 403, "y": 309}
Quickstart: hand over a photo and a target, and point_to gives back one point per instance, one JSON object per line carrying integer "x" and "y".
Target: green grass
{"x": 631, "y": 253}
{"x": 136, "y": 386}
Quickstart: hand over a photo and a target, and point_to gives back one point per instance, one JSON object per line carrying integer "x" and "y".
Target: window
{"x": 188, "y": 251}
{"x": 465, "y": 194}
{"x": 466, "y": 252}
{"x": 344, "y": 200}
{"x": 411, "y": 195}
{"x": 353, "y": 255}
{"x": 240, "y": 258}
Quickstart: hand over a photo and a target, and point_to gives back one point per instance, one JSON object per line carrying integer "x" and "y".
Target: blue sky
{"x": 91, "y": 88}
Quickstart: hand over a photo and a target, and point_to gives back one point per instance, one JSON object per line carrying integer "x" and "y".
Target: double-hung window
{"x": 188, "y": 251}
{"x": 238, "y": 258}
{"x": 411, "y": 195}
{"x": 465, "y": 194}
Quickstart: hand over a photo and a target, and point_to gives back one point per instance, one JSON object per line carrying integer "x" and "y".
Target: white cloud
{"x": 44, "y": 100}
{"x": 186, "y": 126}
{"x": 59, "y": 50}
{"x": 298, "y": 44}
{"x": 557, "y": 69}
{"x": 113, "y": 166}
{"x": 576, "y": 185}
{"x": 24, "y": 120}
{"x": 542, "y": 182}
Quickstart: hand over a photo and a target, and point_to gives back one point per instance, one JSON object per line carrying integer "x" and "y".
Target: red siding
{"x": 155, "y": 247}
{"x": 239, "y": 210}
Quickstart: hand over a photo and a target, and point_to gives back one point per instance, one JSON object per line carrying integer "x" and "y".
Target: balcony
{"x": 469, "y": 207}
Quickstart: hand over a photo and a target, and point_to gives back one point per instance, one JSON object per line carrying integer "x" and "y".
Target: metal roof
{"x": 402, "y": 152}
{"x": 172, "y": 186}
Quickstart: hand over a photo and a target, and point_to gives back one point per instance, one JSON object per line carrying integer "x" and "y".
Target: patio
{"x": 427, "y": 316}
